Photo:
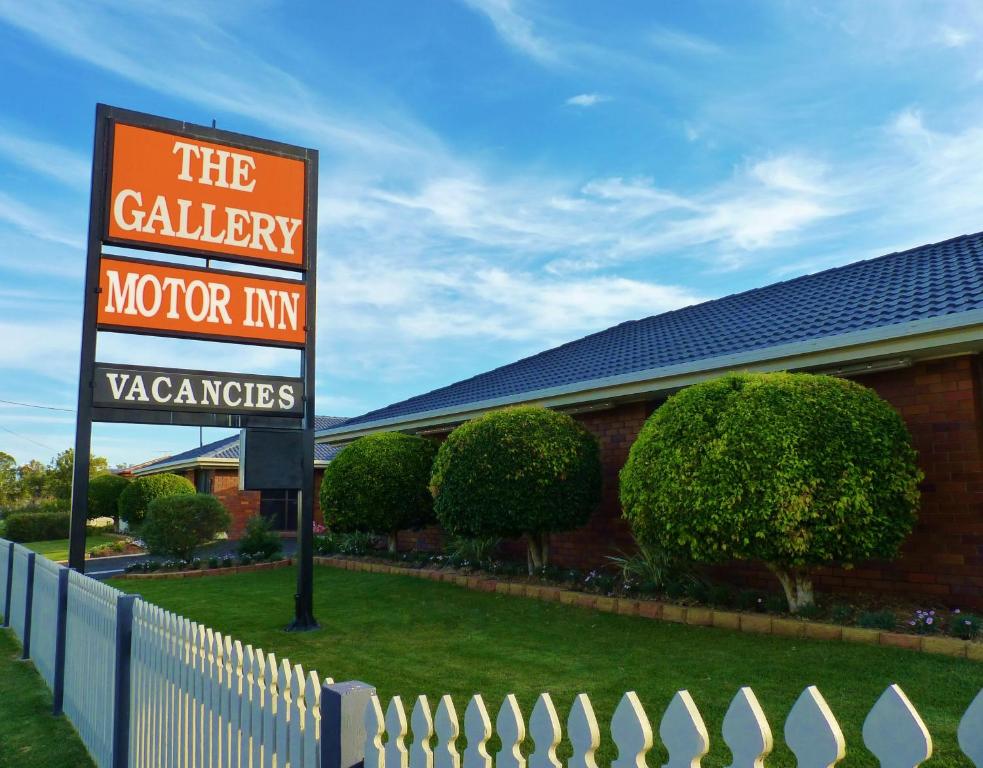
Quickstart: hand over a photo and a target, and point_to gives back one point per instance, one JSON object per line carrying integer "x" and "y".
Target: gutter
{"x": 939, "y": 335}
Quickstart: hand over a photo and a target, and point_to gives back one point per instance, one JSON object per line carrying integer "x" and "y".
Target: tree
{"x": 31, "y": 480}
{"x": 137, "y": 496}
{"x": 517, "y": 472}
{"x": 8, "y": 479}
{"x": 793, "y": 470}
{"x": 379, "y": 484}
{"x": 178, "y": 525}
{"x": 104, "y": 493}
{"x": 58, "y": 478}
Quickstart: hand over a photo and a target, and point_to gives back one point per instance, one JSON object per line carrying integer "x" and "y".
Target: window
{"x": 280, "y": 508}
{"x": 204, "y": 480}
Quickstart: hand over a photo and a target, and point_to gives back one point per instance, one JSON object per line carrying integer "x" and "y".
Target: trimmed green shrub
{"x": 378, "y": 484}
{"x": 104, "y": 493}
{"x": 517, "y": 472}
{"x": 260, "y": 540}
{"x": 878, "y": 620}
{"x": 794, "y": 470}
{"x": 135, "y": 499}
{"x": 177, "y": 525}
{"x": 37, "y": 526}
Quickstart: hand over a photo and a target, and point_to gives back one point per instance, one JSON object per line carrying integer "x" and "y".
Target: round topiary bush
{"x": 378, "y": 484}
{"x": 136, "y": 497}
{"x": 104, "y": 493}
{"x": 177, "y": 525}
{"x": 793, "y": 470}
{"x": 517, "y": 472}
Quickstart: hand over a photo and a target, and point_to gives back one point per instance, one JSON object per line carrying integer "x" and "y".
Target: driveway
{"x": 108, "y": 567}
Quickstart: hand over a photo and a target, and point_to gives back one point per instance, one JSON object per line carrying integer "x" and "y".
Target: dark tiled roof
{"x": 929, "y": 281}
{"x": 228, "y": 448}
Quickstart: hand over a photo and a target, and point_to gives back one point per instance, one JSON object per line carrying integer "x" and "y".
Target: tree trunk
{"x": 391, "y": 541}
{"x": 538, "y": 552}
{"x": 797, "y": 584}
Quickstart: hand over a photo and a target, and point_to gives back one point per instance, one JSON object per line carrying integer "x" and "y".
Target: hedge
{"x": 177, "y": 525}
{"x": 37, "y": 526}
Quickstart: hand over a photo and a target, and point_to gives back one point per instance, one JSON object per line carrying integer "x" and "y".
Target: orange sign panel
{"x": 181, "y": 301}
{"x": 190, "y": 196}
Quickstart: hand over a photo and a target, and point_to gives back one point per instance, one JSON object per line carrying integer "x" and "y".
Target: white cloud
{"x": 676, "y": 41}
{"x": 54, "y": 161}
{"x": 586, "y": 99}
{"x": 515, "y": 29}
{"x": 950, "y": 37}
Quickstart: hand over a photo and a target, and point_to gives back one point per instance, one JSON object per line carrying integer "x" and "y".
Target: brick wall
{"x": 244, "y": 504}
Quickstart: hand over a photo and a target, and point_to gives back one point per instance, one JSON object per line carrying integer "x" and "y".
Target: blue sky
{"x": 497, "y": 176}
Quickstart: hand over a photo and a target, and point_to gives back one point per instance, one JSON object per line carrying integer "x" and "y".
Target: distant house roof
{"x": 226, "y": 451}
{"x": 925, "y": 289}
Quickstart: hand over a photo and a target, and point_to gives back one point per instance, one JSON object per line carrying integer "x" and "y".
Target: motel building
{"x": 909, "y": 325}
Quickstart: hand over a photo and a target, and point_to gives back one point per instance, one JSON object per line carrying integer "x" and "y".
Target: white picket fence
{"x": 6, "y": 554}
{"x": 91, "y": 651}
{"x": 45, "y": 616}
{"x": 893, "y": 732}
{"x": 19, "y": 596}
{"x": 202, "y": 700}
{"x": 145, "y": 687}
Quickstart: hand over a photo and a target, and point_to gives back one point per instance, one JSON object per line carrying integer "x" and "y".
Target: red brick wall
{"x": 244, "y": 504}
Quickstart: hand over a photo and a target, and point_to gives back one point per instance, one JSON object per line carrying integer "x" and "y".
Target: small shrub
{"x": 356, "y": 543}
{"x": 325, "y": 543}
{"x": 104, "y": 493}
{"x": 810, "y": 611}
{"x": 228, "y": 561}
{"x": 924, "y": 622}
{"x": 652, "y": 565}
{"x": 697, "y": 590}
{"x": 776, "y": 604}
{"x": 720, "y": 596}
{"x": 599, "y": 581}
{"x": 842, "y": 613}
{"x": 213, "y": 563}
{"x": 260, "y": 540}
{"x": 885, "y": 619}
{"x": 38, "y": 526}
{"x": 472, "y": 549}
{"x": 966, "y": 626}
{"x": 135, "y": 499}
{"x": 675, "y": 589}
{"x": 177, "y": 525}
{"x": 751, "y": 600}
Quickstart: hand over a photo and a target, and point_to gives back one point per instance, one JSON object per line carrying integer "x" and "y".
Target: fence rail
{"x": 145, "y": 687}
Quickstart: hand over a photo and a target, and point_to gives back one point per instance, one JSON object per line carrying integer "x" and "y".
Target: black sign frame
{"x": 106, "y": 118}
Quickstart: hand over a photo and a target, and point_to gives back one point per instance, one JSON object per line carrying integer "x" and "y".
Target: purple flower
{"x": 929, "y": 620}
{"x": 956, "y": 611}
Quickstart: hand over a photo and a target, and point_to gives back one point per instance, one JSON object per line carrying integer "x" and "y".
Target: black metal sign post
{"x": 87, "y": 359}
{"x": 104, "y": 400}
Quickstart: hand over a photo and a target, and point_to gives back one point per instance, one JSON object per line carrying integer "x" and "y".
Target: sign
{"x": 170, "y": 187}
{"x": 149, "y": 297}
{"x": 127, "y": 386}
{"x": 268, "y": 460}
{"x": 172, "y": 192}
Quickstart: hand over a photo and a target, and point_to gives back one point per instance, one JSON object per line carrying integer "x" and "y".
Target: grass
{"x": 57, "y": 549}
{"x": 30, "y": 736}
{"x": 407, "y": 636}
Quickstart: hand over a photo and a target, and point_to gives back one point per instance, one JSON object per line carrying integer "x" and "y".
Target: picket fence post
{"x": 121, "y": 692}
{"x": 28, "y": 605}
{"x": 343, "y": 723}
{"x": 9, "y": 577}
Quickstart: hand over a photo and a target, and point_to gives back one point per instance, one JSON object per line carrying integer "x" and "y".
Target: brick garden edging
{"x": 701, "y": 616}
{"x": 275, "y": 564}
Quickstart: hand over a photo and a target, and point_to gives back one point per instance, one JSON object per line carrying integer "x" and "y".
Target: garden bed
{"x": 924, "y": 635}
{"x": 194, "y": 569}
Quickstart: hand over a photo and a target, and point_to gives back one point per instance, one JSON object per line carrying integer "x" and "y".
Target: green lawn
{"x": 407, "y": 636}
{"x": 57, "y": 549}
{"x": 30, "y": 736}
